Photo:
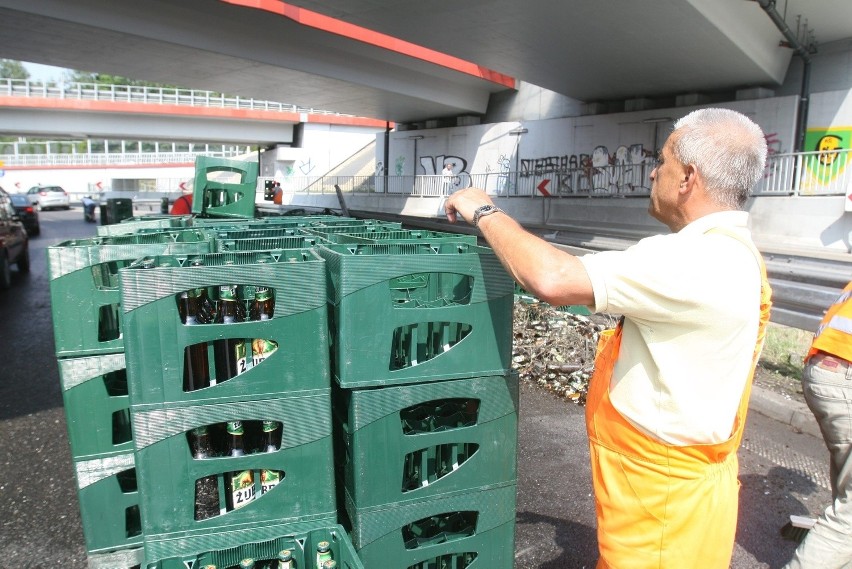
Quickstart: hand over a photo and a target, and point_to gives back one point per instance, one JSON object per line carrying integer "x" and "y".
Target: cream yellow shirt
{"x": 691, "y": 302}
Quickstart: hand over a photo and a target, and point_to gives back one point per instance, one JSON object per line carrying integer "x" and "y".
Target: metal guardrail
{"x": 150, "y": 95}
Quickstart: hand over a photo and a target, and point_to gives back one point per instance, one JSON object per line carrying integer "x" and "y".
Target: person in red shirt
{"x": 182, "y": 205}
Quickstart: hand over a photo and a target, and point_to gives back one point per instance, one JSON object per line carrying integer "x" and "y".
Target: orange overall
{"x": 660, "y": 505}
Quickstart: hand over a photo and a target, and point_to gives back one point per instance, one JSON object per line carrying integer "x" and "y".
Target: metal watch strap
{"x": 484, "y": 210}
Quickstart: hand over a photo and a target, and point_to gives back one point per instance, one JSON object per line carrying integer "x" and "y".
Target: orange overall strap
{"x": 659, "y": 505}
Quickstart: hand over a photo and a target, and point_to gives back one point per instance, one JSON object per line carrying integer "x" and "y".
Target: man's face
{"x": 666, "y": 179}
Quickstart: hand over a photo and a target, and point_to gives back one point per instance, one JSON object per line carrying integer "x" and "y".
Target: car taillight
{"x": 28, "y": 209}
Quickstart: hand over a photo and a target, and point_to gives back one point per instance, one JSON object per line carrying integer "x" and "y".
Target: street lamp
{"x": 517, "y": 132}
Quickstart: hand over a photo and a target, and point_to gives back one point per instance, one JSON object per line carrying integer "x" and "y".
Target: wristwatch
{"x": 484, "y": 210}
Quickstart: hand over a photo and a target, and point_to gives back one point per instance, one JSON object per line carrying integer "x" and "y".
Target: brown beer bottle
{"x": 207, "y": 488}
{"x": 196, "y": 370}
{"x": 269, "y": 479}
{"x": 262, "y": 308}
{"x": 229, "y": 353}
{"x": 263, "y": 305}
{"x": 239, "y": 485}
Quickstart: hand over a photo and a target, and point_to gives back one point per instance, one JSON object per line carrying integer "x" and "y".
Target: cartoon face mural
{"x": 828, "y": 146}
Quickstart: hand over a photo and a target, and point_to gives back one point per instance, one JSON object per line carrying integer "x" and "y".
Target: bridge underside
{"x": 344, "y": 55}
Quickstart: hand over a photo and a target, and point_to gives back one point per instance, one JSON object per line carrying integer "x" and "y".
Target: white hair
{"x": 727, "y": 148}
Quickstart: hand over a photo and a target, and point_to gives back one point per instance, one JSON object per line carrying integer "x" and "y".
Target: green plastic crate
{"x": 224, "y": 245}
{"x": 378, "y": 235}
{"x": 411, "y": 442}
{"x": 262, "y": 222}
{"x": 154, "y": 221}
{"x": 335, "y": 221}
{"x": 130, "y": 558}
{"x": 214, "y": 198}
{"x": 478, "y": 522}
{"x": 417, "y": 312}
{"x": 109, "y": 503}
{"x": 97, "y": 406}
{"x": 155, "y": 338}
{"x": 167, "y": 473}
{"x": 253, "y": 231}
{"x": 360, "y": 226}
{"x": 84, "y": 285}
{"x": 301, "y": 544}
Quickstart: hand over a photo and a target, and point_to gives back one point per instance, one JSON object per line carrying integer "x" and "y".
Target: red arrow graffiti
{"x": 182, "y": 186}
{"x": 542, "y": 187}
{"x": 98, "y": 185}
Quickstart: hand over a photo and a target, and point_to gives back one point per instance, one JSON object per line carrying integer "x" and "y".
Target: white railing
{"x": 112, "y": 158}
{"x": 149, "y": 95}
{"x": 824, "y": 173}
{"x": 801, "y": 173}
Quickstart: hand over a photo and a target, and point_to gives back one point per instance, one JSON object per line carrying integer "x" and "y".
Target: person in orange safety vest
{"x": 667, "y": 401}
{"x": 827, "y": 384}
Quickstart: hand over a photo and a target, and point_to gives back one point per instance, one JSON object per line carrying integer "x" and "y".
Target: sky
{"x": 39, "y": 72}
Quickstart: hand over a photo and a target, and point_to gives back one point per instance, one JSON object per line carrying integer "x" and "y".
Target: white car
{"x": 47, "y": 197}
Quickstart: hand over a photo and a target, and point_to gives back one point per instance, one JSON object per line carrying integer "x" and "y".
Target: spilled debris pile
{"x": 554, "y": 348}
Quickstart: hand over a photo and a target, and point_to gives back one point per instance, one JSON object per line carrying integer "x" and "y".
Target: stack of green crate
{"x": 425, "y": 404}
{"x": 212, "y": 197}
{"x": 90, "y": 350}
{"x": 133, "y": 225}
{"x": 290, "y": 387}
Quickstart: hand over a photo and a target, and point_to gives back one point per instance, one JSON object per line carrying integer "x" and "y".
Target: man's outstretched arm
{"x": 552, "y": 275}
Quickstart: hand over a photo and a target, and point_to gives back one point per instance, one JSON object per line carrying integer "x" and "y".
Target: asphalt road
{"x": 783, "y": 470}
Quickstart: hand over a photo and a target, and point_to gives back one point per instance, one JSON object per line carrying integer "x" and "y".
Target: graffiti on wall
{"x": 626, "y": 170}
{"x": 433, "y": 165}
{"x": 306, "y": 167}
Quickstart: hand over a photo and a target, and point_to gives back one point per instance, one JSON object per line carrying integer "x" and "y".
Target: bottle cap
{"x": 323, "y": 546}
{"x": 285, "y": 555}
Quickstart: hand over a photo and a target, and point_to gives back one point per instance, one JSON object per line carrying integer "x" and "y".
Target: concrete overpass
{"x": 123, "y": 112}
{"x": 427, "y": 60}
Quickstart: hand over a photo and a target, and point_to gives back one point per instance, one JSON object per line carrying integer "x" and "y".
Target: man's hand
{"x": 464, "y": 202}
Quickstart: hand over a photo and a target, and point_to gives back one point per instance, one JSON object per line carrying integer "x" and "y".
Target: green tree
{"x": 76, "y": 76}
{"x": 11, "y": 69}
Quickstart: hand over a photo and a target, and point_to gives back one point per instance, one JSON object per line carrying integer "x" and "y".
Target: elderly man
{"x": 667, "y": 402}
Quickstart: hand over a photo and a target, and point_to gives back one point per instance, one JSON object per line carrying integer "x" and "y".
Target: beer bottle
{"x": 269, "y": 479}
{"x": 230, "y": 353}
{"x": 330, "y": 564}
{"x": 263, "y": 305}
{"x": 239, "y": 485}
{"x": 285, "y": 559}
{"x": 207, "y": 488}
{"x": 261, "y": 308}
{"x": 196, "y": 372}
{"x": 323, "y": 553}
{"x": 206, "y": 309}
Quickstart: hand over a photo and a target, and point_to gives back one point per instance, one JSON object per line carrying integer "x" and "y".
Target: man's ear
{"x": 688, "y": 178}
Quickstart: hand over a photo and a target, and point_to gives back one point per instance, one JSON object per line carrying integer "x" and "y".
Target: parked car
{"x": 14, "y": 242}
{"x": 27, "y": 213}
{"x": 47, "y": 197}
